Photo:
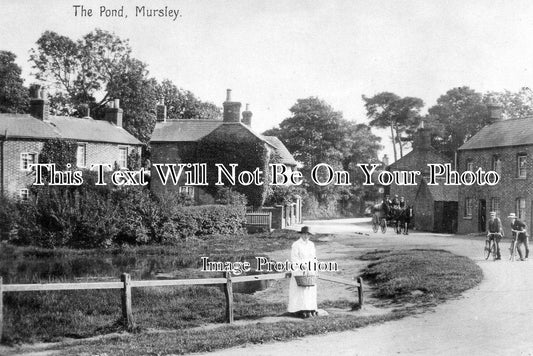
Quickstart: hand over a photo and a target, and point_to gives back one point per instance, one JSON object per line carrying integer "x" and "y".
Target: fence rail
{"x": 126, "y": 284}
{"x": 259, "y": 219}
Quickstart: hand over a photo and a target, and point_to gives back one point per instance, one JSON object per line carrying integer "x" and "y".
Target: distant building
{"x": 429, "y": 202}
{"x": 22, "y": 137}
{"x": 506, "y": 146}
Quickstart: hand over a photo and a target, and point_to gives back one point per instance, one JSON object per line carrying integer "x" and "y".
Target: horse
{"x": 404, "y": 219}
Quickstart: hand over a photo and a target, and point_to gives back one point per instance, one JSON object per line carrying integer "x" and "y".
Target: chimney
{"x": 423, "y": 138}
{"x": 232, "y": 109}
{"x": 495, "y": 112}
{"x": 385, "y": 161}
{"x": 161, "y": 111}
{"x": 114, "y": 113}
{"x": 247, "y": 116}
{"x": 39, "y": 105}
{"x": 86, "y": 110}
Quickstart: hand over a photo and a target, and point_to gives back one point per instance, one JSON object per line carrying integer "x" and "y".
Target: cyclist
{"x": 522, "y": 238}
{"x": 495, "y": 232}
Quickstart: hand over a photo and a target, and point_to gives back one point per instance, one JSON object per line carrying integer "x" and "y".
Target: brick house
{"x": 22, "y": 137}
{"x": 178, "y": 141}
{"x": 428, "y": 201}
{"x": 506, "y": 146}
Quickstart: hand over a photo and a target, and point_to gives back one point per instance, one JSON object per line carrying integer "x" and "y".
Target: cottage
{"x": 231, "y": 140}
{"x": 22, "y": 137}
{"x": 506, "y": 147}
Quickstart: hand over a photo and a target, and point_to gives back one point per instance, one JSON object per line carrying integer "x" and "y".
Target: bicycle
{"x": 513, "y": 248}
{"x": 490, "y": 245}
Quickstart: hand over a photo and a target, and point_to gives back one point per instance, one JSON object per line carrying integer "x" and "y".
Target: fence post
{"x": 127, "y": 315}
{"x": 360, "y": 291}
{"x": 228, "y": 291}
{"x": 1, "y": 308}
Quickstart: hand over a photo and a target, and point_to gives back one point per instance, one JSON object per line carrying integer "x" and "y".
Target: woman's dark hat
{"x": 305, "y": 230}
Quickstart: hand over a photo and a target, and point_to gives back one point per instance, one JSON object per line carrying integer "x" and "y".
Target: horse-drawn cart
{"x": 399, "y": 218}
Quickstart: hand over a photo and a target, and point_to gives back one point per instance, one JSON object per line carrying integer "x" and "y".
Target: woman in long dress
{"x": 302, "y": 300}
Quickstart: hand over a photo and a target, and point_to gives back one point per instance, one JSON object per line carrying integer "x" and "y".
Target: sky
{"x": 271, "y": 53}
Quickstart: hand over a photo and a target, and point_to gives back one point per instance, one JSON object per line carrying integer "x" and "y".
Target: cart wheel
{"x": 375, "y": 224}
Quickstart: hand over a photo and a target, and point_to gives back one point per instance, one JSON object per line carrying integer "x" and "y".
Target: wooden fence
{"x": 126, "y": 284}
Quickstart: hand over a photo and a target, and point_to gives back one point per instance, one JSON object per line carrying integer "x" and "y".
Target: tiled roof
{"x": 87, "y": 129}
{"x": 282, "y": 154}
{"x": 25, "y": 126}
{"x": 418, "y": 160}
{"x": 183, "y": 130}
{"x": 502, "y": 133}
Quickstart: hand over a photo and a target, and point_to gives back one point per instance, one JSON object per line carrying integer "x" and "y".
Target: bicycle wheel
{"x": 513, "y": 251}
{"x": 383, "y": 225}
{"x": 493, "y": 251}
{"x": 486, "y": 250}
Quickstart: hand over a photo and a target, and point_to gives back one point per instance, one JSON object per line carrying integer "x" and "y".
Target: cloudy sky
{"x": 273, "y": 52}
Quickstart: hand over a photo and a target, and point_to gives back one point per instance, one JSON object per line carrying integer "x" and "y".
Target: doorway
{"x": 482, "y": 218}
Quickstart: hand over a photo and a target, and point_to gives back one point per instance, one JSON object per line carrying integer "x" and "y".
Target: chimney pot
{"x": 117, "y": 103}
{"x": 232, "y": 109}
{"x": 247, "y": 116}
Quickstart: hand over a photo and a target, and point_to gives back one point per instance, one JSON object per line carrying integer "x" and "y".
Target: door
{"x": 482, "y": 218}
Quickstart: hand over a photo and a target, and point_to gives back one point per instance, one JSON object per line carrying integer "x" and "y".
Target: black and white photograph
{"x": 284, "y": 177}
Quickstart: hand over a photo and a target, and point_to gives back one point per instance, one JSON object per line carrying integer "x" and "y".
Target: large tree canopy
{"x": 400, "y": 115}
{"x": 13, "y": 93}
{"x": 316, "y": 133}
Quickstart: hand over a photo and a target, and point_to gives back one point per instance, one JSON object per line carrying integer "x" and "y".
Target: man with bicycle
{"x": 520, "y": 235}
{"x": 495, "y": 232}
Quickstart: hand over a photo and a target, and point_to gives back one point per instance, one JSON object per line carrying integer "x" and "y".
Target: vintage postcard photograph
{"x": 284, "y": 177}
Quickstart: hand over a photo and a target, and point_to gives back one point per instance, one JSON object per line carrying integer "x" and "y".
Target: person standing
{"x": 302, "y": 300}
{"x": 519, "y": 228}
{"x": 495, "y": 232}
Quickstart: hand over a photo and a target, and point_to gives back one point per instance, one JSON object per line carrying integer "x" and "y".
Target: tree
{"x": 458, "y": 115}
{"x": 401, "y": 115}
{"x": 316, "y": 133}
{"x": 183, "y": 104}
{"x": 515, "y": 105}
{"x": 13, "y": 93}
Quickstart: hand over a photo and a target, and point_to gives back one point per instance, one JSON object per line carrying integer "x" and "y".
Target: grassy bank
{"x": 403, "y": 277}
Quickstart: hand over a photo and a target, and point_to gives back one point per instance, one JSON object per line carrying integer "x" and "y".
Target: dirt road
{"x": 491, "y": 319}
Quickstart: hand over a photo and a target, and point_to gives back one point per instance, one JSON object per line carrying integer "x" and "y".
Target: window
{"x": 80, "y": 155}
{"x": 123, "y": 157}
{"x": 26, "y": 159}
{"x": 521, "y": 208}
{"x": 469, "y": 165}
{"x": 521, "y": 165}
{"x": 468, "y": 207}
{"x": 495, "y": 205}
{"x": 24, "y": 194}
{"x": 187, "y": 190}
{"x": 496, "y": 165}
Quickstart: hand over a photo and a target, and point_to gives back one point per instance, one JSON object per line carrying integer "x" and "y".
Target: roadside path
{"x": 493, "y": 318}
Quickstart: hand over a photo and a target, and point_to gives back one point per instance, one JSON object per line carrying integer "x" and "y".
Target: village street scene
{"x": 265, "y": 178}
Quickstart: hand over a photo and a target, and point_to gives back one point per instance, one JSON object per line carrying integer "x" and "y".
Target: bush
{"x": 228, "y": 196}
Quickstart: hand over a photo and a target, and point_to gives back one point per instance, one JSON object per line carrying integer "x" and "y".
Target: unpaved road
{"x": 494, "y": 318}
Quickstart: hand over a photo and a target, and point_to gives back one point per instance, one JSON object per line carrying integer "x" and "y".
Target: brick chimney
{"x": 422, "y": 138}
{"x": 114, "y": 113}
{"x": 247, "y": 116}
{"x": 232, "y": 109}
{"x": 495, "y": 112}
{"x": 39, "y": 105}
{"x": 161, "y": 111}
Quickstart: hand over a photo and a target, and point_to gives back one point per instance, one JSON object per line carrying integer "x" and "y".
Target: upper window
{"x": 26, "y": 159}
{"x": 496, "y": 165}
{"x": 521, "y": 208}
{"x": 81, "y": 155}
{"x": 123, "y": 157}
{"x": 521, "y": 165}
{"x": 469, "y": 165}
{"x": 469, "y": 202}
